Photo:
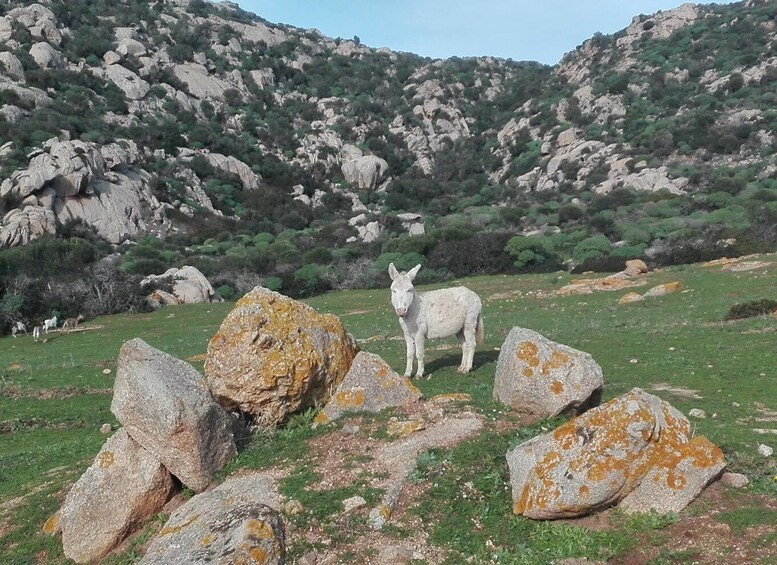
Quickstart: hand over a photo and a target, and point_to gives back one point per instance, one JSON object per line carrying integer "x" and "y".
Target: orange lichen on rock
{"x": 105, "y": 459}
{"x": 451, "y": 397}
{"x": 557, "y": 361}
{"x": 273, "y": 356}
{"x": 350, "y": 399}
{"x": 166, "y": 531}
{"x": 601, "y": 456}
{"x": 52, "y": 525}
{"x": 405, "y": 428}
{"x": 539, "y": 376}
{"x": 208, "y": 539}
{"x": 527, "y": 353}
{"x": 259, "y": 555}
{"x": 370, "y": 386}
{"x": 259, "y": 529}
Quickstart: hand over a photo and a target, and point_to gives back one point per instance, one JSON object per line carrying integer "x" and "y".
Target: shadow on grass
{"x": 453, "y": 360}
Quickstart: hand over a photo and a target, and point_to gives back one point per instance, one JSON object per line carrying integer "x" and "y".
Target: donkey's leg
{"x": 468, "y": 348}
{"x": 419, "y": 355}
{"x": 410, "y": 343}
{"x": 463, "y": 345}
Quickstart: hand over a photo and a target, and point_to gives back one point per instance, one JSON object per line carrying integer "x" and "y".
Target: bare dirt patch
{"x": 676, "y": 390}
{"x": 704, "y": 539}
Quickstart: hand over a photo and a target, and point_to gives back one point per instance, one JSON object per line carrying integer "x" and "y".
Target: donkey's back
{"x": 448, "y": 311}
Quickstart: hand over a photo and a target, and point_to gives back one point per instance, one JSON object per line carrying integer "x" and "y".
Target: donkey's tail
{"x": 480, "y": 332}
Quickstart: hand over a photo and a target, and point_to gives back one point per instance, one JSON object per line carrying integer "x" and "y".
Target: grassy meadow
{"x": 54, "y": 396}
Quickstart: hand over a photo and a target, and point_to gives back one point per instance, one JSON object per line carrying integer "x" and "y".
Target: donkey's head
{"x": 402, "y": 291}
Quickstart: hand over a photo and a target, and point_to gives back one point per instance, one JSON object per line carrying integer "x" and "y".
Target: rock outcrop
{"x": 636, "y": 449}
{"x": 78, "y": 180}
{"x": 189, "y": 285}
{"x": 363, "y": 171}
{"x": 166, "y": 406}
{"x": 539, "y": 376}
{"x": 273, "y": 356}
{"x": 21, "y": 226}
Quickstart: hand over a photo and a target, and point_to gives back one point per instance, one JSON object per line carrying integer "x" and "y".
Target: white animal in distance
{"x": 36, "y": 331}
{"x": 435, "y": 314}
{"x": 50, "y": 324}
{"x": 19, "y": 327}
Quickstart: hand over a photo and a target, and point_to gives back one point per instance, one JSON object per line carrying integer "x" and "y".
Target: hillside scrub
{"x": 656, "y": 142}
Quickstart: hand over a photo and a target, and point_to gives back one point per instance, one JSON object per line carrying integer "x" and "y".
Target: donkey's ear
{"x": 393, "y": 273}
{"x": 413, "y": 272}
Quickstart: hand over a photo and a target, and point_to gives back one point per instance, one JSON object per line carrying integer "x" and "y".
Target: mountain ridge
{"x": 143, "y": 120}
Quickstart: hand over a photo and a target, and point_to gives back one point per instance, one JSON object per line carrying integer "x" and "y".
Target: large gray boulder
{"x": 167, "y": 407}
{"x": 370, "y": 385}
{"x": 21, "y": 226}
{"x": 233, "y": 523}
{"x": 199, "y": 82}
{"x": 134, "y": 87}
{"x": 636, "y": 448}
{"x": 362, "y": 171}
{"x": 79, "y": 180}
{"x": 45, "y": 56}
{"x": 116, "y": 209}
{"x": 542, "y": 377}
{"x": 123, "y": 487}
{"x": 190, "y": 286}
{"x": 39, "y": 21}
{"x": 11, "y": 65}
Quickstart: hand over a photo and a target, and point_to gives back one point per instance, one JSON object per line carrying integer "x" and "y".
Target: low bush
{"x": 751, "y": 309}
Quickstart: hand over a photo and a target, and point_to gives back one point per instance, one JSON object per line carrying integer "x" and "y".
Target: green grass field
{"x": 54, "y": 397}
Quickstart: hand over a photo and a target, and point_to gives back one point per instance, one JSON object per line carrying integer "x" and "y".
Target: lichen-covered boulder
{"x": 635, "y": 267}
{"x": 664, "y": 289}
{"x": 630, "y": 298}
{"x": 123, "y": 487}
{"x": 166, "y": 406}
{"x": 542, "y": 377}
{"x": 273, "y": 356}
{"x": 233, "y": 523}
{"x": 636, "y": 443}
{"x": 369, "y": 386}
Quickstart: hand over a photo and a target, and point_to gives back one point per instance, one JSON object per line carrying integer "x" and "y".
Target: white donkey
{"x": 435, "y": 314}
{"x": 50, "y": 324}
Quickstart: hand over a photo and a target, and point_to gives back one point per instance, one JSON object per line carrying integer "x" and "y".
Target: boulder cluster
{"x": 174, "y": 433}
{"x": 273, "y": 356}
{"x": 636, "y": 451}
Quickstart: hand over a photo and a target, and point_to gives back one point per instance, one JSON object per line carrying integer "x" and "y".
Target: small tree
{"x": 594, "y": 247}
{"x": 532, "y": 253}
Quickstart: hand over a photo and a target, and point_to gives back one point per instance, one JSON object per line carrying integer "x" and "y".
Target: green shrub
{"x": 273, "y": 283}
{"x": 532, "y": 253}
{"x": 403, "y": 262}
{"x": 594, "y": 247}
{"x": 751, "y": 309}
{"x": 226, "y": 292}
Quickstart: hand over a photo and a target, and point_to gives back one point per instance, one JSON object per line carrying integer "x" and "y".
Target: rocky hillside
{"x": 237, "y": 144}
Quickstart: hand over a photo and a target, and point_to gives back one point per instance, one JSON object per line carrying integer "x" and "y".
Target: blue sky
{"x": 535, "y": 30}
